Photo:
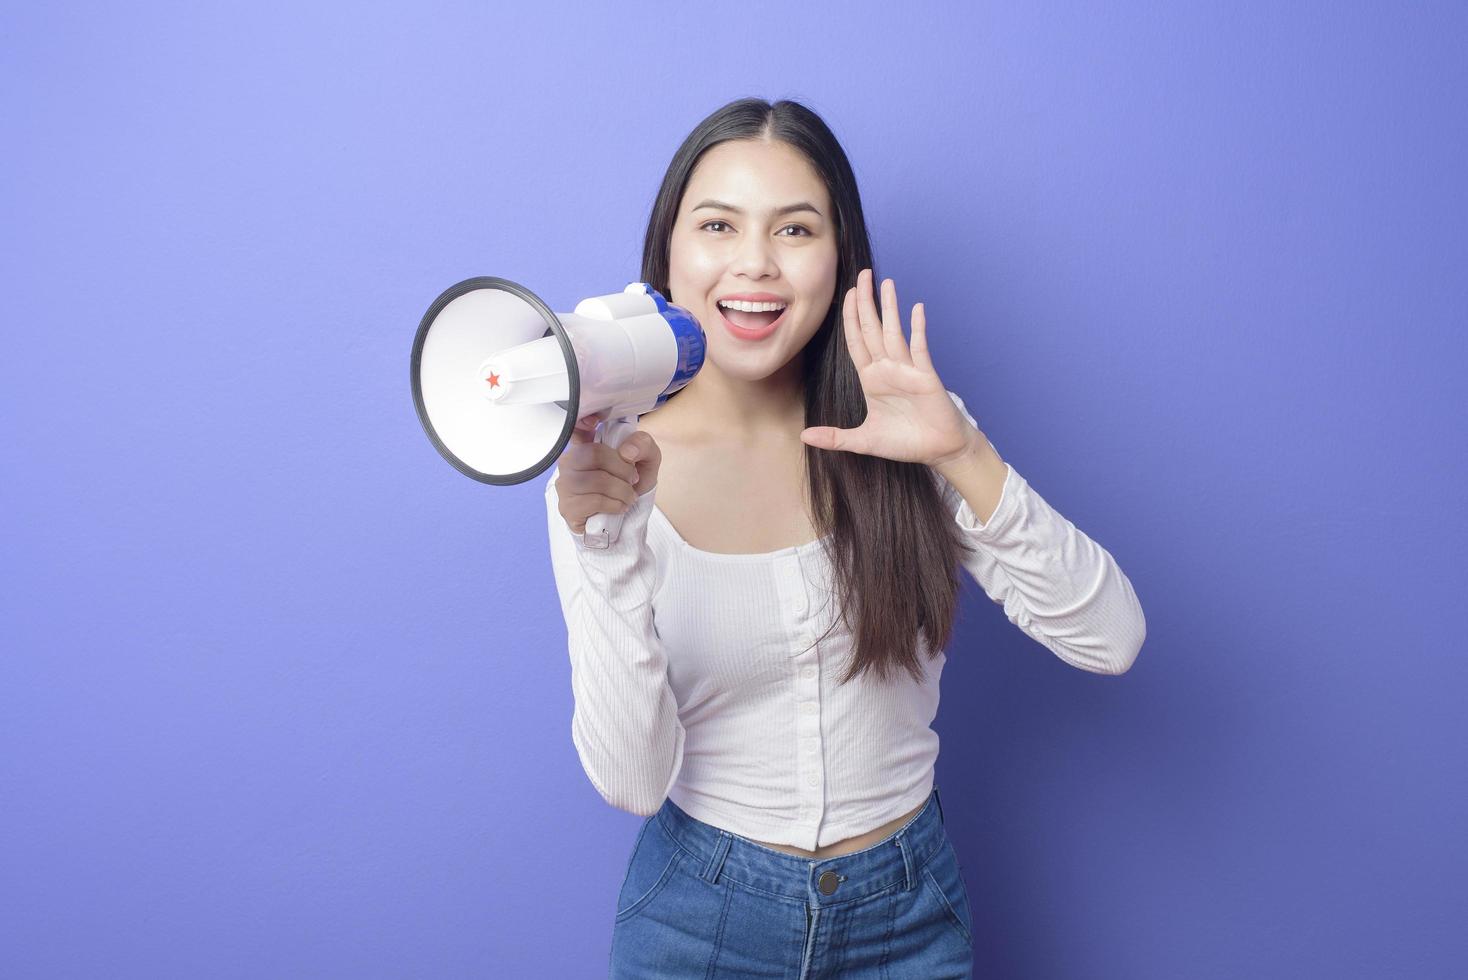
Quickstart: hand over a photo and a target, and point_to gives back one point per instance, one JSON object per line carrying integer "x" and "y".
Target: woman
{"x": 755, "y": 660}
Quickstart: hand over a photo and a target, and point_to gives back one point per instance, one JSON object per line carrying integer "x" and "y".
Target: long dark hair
{"x": 892, "y": 543}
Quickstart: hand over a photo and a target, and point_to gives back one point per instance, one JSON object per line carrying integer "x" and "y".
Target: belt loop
{"x": 908, "y": 871}
{"x": 716, "y": 860}
{"x": 939, "y": 800}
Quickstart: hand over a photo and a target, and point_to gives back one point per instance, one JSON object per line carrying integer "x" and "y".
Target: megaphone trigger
{"x": 604, "y": 529}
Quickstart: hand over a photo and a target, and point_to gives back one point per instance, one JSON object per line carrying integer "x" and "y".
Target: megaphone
{"x": 499, "y": 380}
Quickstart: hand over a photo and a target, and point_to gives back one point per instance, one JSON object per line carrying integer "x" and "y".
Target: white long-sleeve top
{"x": 697, "y": 676}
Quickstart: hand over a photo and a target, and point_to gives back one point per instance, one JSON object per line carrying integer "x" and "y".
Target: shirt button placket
{"x": 810, "y": 773}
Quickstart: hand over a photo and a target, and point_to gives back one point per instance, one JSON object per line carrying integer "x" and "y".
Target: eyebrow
{"x": 720, "y": 205}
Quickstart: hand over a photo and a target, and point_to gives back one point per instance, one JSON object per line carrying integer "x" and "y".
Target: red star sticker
{"x": 494, "y": 380}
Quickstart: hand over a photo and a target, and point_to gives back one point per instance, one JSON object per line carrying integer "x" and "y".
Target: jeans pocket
{"x": 632, "y": 858}
{"x": 944, "y": 880}
{"x": 655, "y": 858}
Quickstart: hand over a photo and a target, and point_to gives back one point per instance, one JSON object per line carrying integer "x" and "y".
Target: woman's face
{"x": 716, "y": 250}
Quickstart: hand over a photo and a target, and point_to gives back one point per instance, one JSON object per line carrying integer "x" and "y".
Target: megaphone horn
{"x": 499, "y": 380}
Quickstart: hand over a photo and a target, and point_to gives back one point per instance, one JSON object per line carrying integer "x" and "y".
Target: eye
{"x": 805, "y": 232}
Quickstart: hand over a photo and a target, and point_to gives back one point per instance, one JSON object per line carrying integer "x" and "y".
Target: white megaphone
{"x": 499, "y": 380}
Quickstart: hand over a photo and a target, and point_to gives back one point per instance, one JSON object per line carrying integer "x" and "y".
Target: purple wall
{"x": 283, "y": 695}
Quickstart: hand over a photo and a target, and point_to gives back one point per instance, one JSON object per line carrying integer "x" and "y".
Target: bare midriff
{"x": 850, "y": 844}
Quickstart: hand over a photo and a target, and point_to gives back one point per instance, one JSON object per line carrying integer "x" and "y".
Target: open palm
{"x": 910, "y": 416}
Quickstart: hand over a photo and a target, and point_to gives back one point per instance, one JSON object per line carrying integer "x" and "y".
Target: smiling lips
{"x": 750, "y": 326}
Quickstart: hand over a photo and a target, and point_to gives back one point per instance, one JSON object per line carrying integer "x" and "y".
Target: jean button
{"x": 828, "y": 882}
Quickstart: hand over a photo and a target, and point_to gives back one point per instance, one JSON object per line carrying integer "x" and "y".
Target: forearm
{"x": 625, "y": 722}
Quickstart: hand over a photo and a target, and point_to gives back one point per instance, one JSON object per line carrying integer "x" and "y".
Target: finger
{"x": 920, "y": 356}
{"x": 871, "y": 320}
{"x": 638, "y": 450}
{"x": 581, "y": 491}
{"x": 892, "y": 324}
{"x": 830, "y": 437}
{"x": 591, "y": 457}
{"x": 585, "y": 430}
{"x": 605, "y": 504}
{"x": 612, "y": 461}
{"x": 820, "y": 436}
{"x": 639, "y": 446}
{"x": 855, "y": 345}
{"x": 620, "y": 490}
{"x": 600, "y": 484}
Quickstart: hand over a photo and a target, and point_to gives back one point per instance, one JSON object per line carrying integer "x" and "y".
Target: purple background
{"x": 283, "y": 694}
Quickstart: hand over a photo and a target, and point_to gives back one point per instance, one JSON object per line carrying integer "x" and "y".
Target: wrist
{"x": 976, "y": 454}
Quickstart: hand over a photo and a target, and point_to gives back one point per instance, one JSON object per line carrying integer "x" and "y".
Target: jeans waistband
{"x": 895, "y": 860}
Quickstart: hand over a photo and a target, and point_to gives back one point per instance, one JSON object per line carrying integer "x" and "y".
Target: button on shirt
{"x": 712, "y": 679}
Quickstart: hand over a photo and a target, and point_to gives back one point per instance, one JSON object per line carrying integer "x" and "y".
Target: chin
{"x": 747, "y": 366}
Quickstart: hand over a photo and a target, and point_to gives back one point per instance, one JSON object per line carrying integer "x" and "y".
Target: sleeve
{"x": 625, "y": 722}
{"x": 1056, "y": 584}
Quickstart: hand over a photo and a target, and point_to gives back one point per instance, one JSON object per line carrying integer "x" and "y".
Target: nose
{"x": 754, "y": 259}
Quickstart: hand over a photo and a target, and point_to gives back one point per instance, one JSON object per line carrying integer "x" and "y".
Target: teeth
{"x": 739, "y": 304}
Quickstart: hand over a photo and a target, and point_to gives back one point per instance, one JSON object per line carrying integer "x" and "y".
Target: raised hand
{"x": 910, "y": 417}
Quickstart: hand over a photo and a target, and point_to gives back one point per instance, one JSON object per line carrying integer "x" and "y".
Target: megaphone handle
{"x": 603, "y": 529}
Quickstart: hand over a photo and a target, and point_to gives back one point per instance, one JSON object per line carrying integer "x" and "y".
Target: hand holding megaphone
{"x": 599, "y": 479}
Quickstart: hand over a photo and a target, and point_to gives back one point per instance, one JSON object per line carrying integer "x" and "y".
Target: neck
{"x": 744, "y": 410}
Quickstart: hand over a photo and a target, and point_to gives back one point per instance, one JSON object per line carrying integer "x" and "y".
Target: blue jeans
{"x": 701, "y": 902}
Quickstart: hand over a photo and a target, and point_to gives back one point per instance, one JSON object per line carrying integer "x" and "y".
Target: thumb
{"x": 823, "y": 437}
{"x": 840, "y": 440}
{"x": 639, "y": 451}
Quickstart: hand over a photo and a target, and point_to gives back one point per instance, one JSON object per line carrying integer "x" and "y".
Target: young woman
{"x": 755, "y": 661}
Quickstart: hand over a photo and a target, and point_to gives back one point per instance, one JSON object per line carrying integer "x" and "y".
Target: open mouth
{"x": 751, "y": 321}
{"x": 751, "y": 325}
